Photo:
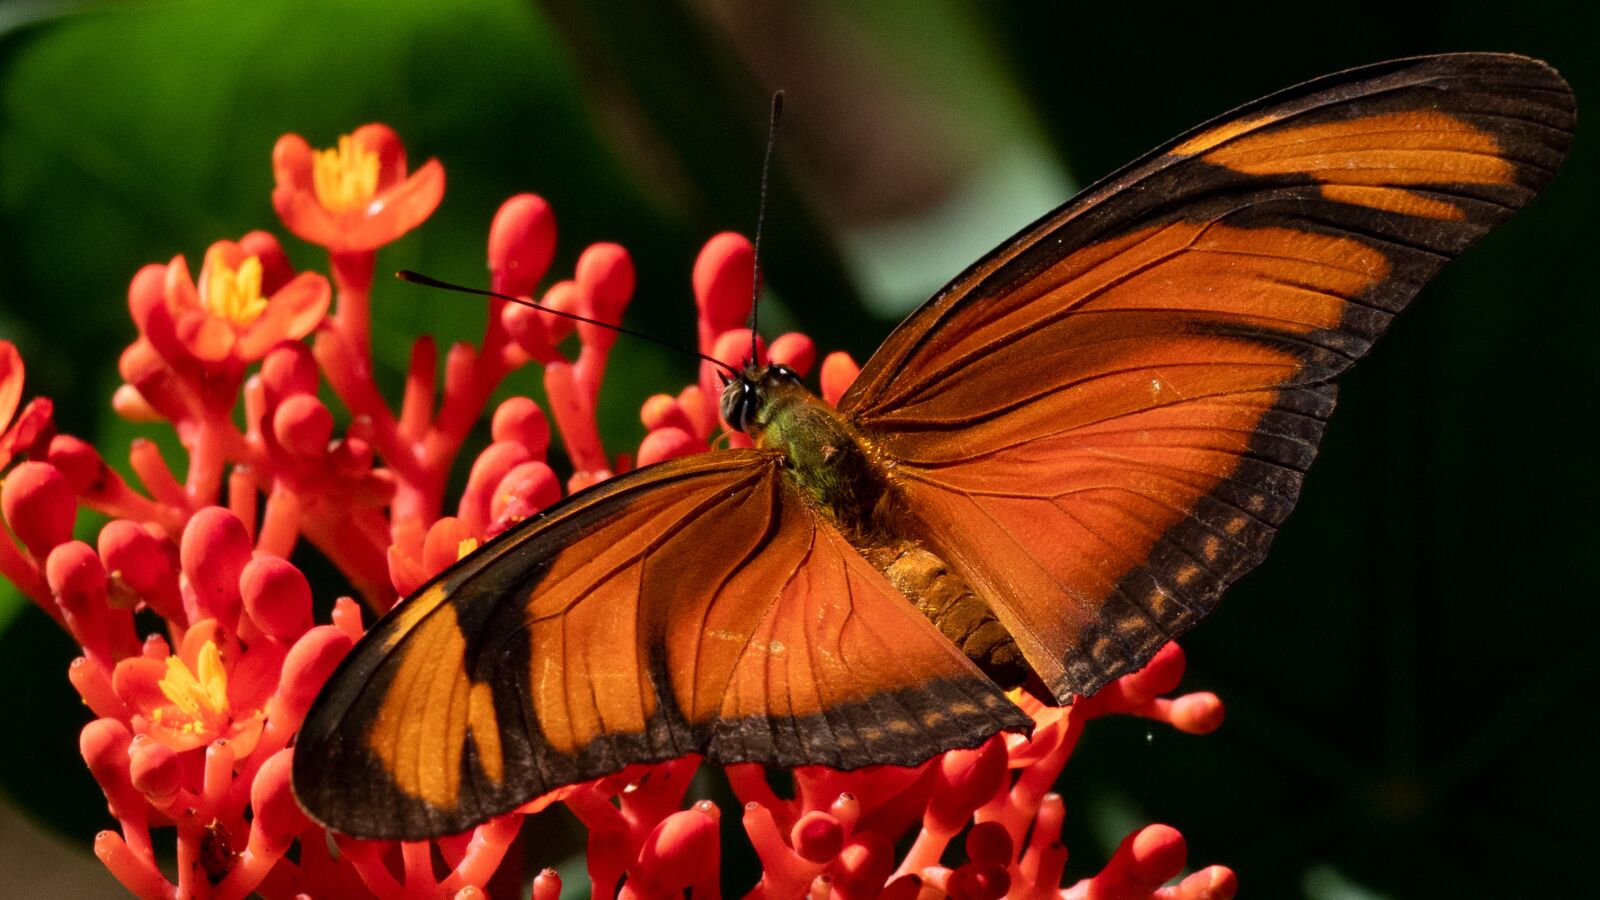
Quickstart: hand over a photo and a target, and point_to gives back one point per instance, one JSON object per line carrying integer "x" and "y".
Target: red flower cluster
{"x": 194, "y": 725}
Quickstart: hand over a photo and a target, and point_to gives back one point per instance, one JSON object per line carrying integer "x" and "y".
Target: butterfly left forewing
{"x": 696, "y": 606}
{"x": 1101, "y": 424}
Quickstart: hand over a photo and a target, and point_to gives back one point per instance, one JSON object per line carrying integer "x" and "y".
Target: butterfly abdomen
{"x": 954, "y": 608}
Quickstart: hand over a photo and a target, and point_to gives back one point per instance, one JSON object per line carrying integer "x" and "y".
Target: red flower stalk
{"x": 194, "y": 724}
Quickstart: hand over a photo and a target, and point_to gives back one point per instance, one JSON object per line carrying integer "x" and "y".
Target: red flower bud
{"x": 519, "y": 419}
{"x": 128, "y": 403}
{"x": 155, "y": 769}
{"x": 308, "y": 664}
{"x": 488, "y": 470}
{"x": 966, "y": 780}
{"x": 839, "y": 371}
{"x": 1144, "y": 861}
{"x": 144, "y": 565}
{"x": 288, "y": 369}
{"x": 676, "y": 854}
{"x": 524, "y": 490}
{"x": 76, "y": 577}
{"x": 989, "y": 842}
{"x": 276, "y": 596}
{"x": 979, "y": 881}
{"x": 1210, "y": 883}
{"x": 702, "y": 412}
{"x": 92, "y": 678}
{"x": 104, "y": 745}
{"x": 664, "y": 411}
{"x": 669, "y": 443}
{"x": 817, "y": 837}
{"x": 39, "y": 506}
{"x": 303, "y": 425}
{"x": 547, "y": 885}
{"x": 531, "y": 329}
{"x": 522, "y": 241}
{"x": 1158, "y": 676}
{"x": 794, "y": 350}
{"x": 864, "y": 864}
{"x": 83, "y": 468}
{"x": 78, "y": 581}
{"x": 214, "y": 552}
{"x": 273, "y": 803}
{"x": 723, "y": 275}
{"x": 1198, "y": 713}
{"x": 733, "y": 347}
{"x": 605, "y": 283}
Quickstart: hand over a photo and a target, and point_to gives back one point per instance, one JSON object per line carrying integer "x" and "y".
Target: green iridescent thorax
{"x": 826, "y": 455}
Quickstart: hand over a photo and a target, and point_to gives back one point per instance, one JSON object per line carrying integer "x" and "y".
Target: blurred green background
{"x": 1407, "y": 677}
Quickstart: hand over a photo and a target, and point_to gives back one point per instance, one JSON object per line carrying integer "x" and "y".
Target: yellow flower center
{"x": 233, "y": 294}
{"x": 346, "y": 177}
{"x": 465, "y": 547}
{"x": 199, "y": 700}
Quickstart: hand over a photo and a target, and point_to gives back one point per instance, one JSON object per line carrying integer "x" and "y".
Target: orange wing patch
{"x": 1227, "y": 131}
{"x": 1365, "y": 160}
{"x": 416, "y": 733}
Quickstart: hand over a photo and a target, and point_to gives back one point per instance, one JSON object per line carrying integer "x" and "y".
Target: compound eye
{"x": 739, "y": 407}
{"x": 749, "y": 402}
{"x": 786, "y": 373}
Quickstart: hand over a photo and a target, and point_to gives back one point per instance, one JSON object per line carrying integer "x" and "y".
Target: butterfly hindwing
{"x": 698, "y": 606}
{"x": 1101, "y": 424}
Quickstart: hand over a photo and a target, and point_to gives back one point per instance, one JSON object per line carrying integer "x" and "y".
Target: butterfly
{"x": 1053, "y": 467}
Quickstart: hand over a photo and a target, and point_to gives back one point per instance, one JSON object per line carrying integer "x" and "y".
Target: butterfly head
{"x": 746, "y": 396}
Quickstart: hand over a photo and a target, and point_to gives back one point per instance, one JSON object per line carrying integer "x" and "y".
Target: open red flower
{"x": 246, "y": 302}
{"x": 31, "y": 429}
{"x": 355, "y": 196}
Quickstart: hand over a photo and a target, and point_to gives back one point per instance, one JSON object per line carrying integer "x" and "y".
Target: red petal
{"x": 381, "y": 139}
{"x": 443, "y": 544}
{"x": 205, "y": 336}
{"x": 293, "y": 312}
{"x": 180, "y": 291}
{"x": 291, "y": 166}
{"x": 276, "y": 271}
{"x": 304, "y": 215}
{"x": 395, "y": 211}
{"x": 137, "y": 682}
{"x": 10, "y": 382}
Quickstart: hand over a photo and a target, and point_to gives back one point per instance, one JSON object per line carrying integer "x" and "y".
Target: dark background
{"x": 1406, "y": 677}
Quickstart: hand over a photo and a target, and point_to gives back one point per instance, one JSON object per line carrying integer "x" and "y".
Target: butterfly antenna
{"x": 761, "y": 217}
{"x": 427, "y": 281}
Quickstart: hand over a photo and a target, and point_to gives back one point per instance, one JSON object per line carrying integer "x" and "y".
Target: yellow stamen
{"x": 466, "y": 546}
{"x": 201, "y": 702}
{"x": 233, "y": 294}
{"x": 345, "y": 178}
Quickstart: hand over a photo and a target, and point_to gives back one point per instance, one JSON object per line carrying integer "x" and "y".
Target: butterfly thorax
{"x": 852, "y": 485}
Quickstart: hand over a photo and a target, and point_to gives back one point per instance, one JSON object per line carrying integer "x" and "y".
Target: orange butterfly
{"x": 1050, "y": 469}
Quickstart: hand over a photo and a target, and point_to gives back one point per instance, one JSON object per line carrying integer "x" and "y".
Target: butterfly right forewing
{"x": 1101, "y": 424}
